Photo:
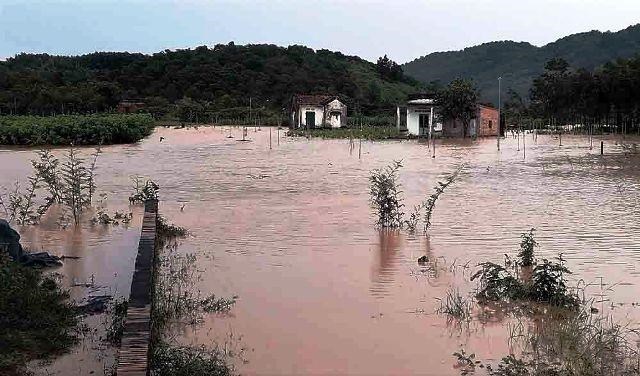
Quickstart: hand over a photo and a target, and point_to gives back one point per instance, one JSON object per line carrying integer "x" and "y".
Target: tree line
{"x": 607, "y": 97}
{"x": 202, "y": 82}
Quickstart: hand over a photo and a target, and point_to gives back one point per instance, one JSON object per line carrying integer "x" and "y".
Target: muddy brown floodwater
{"x": 321, "y": 291}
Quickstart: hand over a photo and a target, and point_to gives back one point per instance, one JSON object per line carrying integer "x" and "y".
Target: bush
{"x": 75, "y": 129}
{"x": 385, "y": 196}
{"x": 36, "y": 318}
{"x": 525, "y": 254}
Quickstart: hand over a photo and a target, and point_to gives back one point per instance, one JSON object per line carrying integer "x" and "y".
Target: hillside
{"x": 209, "y": 79}
{"x": 519, "y": 62}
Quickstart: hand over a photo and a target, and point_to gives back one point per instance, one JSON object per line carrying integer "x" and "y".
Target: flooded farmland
{"x": 289, "y": 231}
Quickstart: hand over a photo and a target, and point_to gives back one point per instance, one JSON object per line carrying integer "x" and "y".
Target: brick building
{"x": 484, "y": 124}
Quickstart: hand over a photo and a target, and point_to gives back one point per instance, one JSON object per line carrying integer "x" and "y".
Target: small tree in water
{"x": 430, "y": 204}
{"x": 385, "y": 195}
{"x": 75, "y": 177}
{"x": 528, "y": 243}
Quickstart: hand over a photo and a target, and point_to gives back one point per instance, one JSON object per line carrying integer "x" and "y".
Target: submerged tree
{"x": 457, "y": 102}
{"x": 385, "y": 196}
{"x": 430, "y": 204}
{"x": 75, "y": 177}
{"x": 527, "y": 245}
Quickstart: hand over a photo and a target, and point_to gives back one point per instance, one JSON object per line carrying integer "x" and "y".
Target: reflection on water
{"x": 289, "y": 231}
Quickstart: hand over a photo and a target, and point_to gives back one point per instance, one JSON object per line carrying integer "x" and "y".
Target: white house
{"x": 316, "y": 111}
{"x": 421, "y": 116}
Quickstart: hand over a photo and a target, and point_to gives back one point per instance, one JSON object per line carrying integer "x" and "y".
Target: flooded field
{"x": 321, "y": 291}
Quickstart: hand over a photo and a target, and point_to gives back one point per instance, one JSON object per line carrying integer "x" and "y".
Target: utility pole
{"x": 499, "y": 109}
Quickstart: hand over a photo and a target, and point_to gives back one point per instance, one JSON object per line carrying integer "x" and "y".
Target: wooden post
{"x": 601, "y": 147}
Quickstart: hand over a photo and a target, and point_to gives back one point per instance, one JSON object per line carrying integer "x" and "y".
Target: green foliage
{"x": 430, "y": 204}
{"x": 385, "y": 196}
{"x": 608, "y": 95}
{"x": 455, "y": 306}
{"x": 143, "y": 191}
{"x": 115, "y": 327}
{"x": 169, "y": 231}
{"x": 71, "y": 184}
{"x": 36, "y": 318}
{"x": 76, "y": 180}
{"x": 197, "y": 85}
{"x": 497, "y": 284}
{"x": 366, "y": 133}
{"x": 547, "y": 284}
{"x": 47, "y": 169}
{"x": 457, "y": 102}
{"x": 569, "y": 345}
{"x": 177, "y": 302}
{"x": 389, "y": 69}
{"x": 519, "y": 62}
{"x": 188, "y": 361}
{"x": 527, "y": 245}
{"x": 74, "y": 129}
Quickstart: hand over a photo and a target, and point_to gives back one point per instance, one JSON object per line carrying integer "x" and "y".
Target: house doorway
{"x": 310, "y": 119}
{"x": 423, "y": 124}
{"x": 334, "y": 119}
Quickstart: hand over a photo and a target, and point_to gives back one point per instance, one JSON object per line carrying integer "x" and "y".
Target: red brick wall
{"x": 487, "y": 121}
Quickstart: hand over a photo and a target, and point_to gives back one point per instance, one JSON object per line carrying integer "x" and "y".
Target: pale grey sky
{"x": 404, "y": 30}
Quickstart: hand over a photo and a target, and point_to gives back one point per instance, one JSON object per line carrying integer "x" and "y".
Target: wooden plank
{"x": 134, "y": 352}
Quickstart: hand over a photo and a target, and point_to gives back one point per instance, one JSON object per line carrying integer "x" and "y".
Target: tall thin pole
{"x": 431, "y": 138}
{"x": 524, "y": 146}
{"x": 269, "y": 138}
{"x": 499, "y": 109}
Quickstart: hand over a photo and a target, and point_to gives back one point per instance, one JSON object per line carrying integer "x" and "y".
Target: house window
{"x": 490, "y": 124}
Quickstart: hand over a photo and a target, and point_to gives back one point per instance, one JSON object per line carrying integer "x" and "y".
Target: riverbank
{"x": 97, "y": 129}
{"x": 37, "y": 319}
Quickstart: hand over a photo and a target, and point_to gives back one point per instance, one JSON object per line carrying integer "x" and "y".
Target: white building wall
{"x": 337, "y": 106}
{"x": 302, "y": 115}
{"x": 413, "y": 120}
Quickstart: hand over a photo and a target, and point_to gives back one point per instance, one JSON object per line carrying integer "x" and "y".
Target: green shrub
{"x": 75, "y": 129}
{"x": 525, "y": 254}
{"x": 36, "y": 318}
{"x": 385, "y": 196}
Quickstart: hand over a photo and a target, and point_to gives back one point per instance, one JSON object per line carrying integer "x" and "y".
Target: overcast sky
{"x": 402, "y": 29}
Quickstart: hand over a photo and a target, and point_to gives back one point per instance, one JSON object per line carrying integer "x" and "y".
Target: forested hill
{"x": 520, "y": 63}
{"x": 222, "y": 77}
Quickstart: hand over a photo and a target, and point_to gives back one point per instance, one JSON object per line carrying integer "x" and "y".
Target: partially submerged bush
{"x": 455, "y": 306}
{"x": 37, "y": 319}
{"x": 143, "y": 191}
{"x": 497, "y": 284}
{"x": 527, "y": 245}
{"x": 71, "y": 184}
{"x": 115, "y": 326}
{"x": 572, "y": 345}
{"x": 547, "y": 284}
{"x": 178, "y": 302}
{"x": 188, "y": 361}
{"x": 430, "y": 204}
{"x": 385, "y": 196}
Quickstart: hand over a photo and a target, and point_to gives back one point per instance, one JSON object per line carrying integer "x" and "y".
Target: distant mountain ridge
{"x": 520, "y": 62}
